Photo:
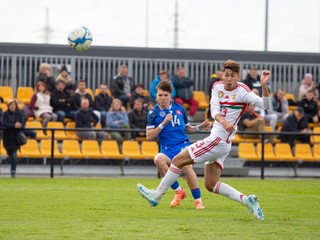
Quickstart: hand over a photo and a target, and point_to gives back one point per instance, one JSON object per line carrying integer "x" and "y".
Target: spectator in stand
{"x": 12, "y": 119}
{"x": 61, "y": 101}
{"x": 118, "y": 119}
{"x": 280, "y": 105}
{"x": 84, "y": 118}
{"x": 40, "y": 105}
{"x": 138, "y": 118}
{"x": 253, "y": 80}
{"x": 251, "y": 122}
{"x": 122, "y": 85}
{"x": 163, "y": 76}
{"x": 64, "y": 76}
{"x": 184, "y": 92}
{"x": 138, "y": 93}
{"x": 310, "y": 107}
{"x": 151, "y": 105}
{"x": 45, "y": 76}
{"x": 308, "y": 84}
{"x": 217, "y": 76}
{"x": 269, "y": 116}
{"x": 102, "y": 103}
{"x": 295, "y": 122}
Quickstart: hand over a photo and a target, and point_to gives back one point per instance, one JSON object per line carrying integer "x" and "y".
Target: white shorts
{"x": 210, "y": 150}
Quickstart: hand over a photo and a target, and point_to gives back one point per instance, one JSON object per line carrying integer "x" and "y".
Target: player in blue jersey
{"x": 168, "y": 122}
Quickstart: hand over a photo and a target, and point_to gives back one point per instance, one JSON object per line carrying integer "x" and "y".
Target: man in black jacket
{"x": 102, "y": 103}
{"x": 138, "y": 118}
{"x": 61, "y": 101}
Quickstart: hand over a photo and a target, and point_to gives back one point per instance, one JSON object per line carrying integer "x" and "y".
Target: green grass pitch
{"x": 111, "y": 208}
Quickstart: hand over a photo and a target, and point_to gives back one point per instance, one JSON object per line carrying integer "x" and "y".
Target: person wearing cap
{"x": 139, "y": 93}
{"x": 64, "y": 76}
{"x": 12, "y": 119}
{"x": 295, "y": 122}
{"x": 308, "y": 84}
{"x": 163, "y": 76}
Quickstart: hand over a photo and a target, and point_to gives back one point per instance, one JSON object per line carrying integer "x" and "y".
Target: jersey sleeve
{"x": 185, "y": 117}
{"x": 261, "y": 102}
{"x": 151, "y": 119}
{"x": 214, "y": 102}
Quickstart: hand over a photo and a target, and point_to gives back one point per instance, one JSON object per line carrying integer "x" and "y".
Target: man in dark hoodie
{"x": 102, "y": 103}
{"x": 253, "y": 80}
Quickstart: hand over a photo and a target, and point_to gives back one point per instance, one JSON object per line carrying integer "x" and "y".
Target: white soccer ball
{"x": 80, "y": 38}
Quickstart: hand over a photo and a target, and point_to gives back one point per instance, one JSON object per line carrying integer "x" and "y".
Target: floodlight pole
{"x": 266, "y": 26}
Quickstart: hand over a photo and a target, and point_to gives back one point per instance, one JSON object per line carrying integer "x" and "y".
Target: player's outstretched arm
{"x": 265, "y": 77}
{"x": 204, "y": 126}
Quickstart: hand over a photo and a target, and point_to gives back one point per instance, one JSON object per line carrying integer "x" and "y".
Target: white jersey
{"x": 231, "y": 105}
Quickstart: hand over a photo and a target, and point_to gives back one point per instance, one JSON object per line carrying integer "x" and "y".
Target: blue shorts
{"x": 170, "y": 152}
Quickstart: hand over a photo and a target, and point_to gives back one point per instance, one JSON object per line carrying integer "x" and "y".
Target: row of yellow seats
{"x": 89, "y": 149}
{"x": 281, "y": 152}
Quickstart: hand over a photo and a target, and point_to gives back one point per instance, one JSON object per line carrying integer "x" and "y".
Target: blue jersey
{"x": 173, "y": 133}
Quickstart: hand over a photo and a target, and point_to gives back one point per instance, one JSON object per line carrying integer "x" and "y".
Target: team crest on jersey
{"x": 178, "y": 112}
{"x": 151, "y": 111}
{"x": 220, "y": 94}
{"x": 162, "y": 114}
{"x": 234, "y": 96}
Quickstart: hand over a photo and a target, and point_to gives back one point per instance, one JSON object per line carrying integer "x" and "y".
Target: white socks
{"x": 171, "y": 176}
{"x": 228, "y": 191}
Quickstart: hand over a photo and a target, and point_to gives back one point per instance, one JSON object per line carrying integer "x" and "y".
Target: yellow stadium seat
{"x": 283, "y": 152}
{"x": 146, "y": 93}
{"x": 131, "y": 150}
{"x": 30, "y": 150}
{"x": 89, "y": 90}
{"x": 4, "y": 107}
{"x": 303, "y": 152}
{"x": 200, "y": 96}
{"x": 316, "y": 151}
{"x": 247, "y": 152}
{"x": 71, "y": 134}
{"x": 36, "y": 124}
{"x": 290, "y": 96}
{"x": 97, "y": 92}
{"x": 90, "y": 149}
{"x": 110, "y": 150}
{"x": 58, "y": 134}
{"x": 149, "y": 149}
{"x": 45, "y": 149}
{"x": 71, "y": 149}
{"x": 315, "y": 138}
{"x": 268, "y": 152}
{"x": 3, "y": 152}
{"x": 24, "y": 94}
{"x": 6, "y": 93}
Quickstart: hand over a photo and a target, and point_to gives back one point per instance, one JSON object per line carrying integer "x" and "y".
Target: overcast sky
{"x": 294, "y": 25}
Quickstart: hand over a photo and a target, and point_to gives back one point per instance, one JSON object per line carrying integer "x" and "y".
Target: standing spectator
{"x": 122, "y": 85}
{"x": 61, "y": 101}
{"x": 102, "y": 103}
{"x": 295, "y": 122}
{"x": 118, "y": 119}
{"x": 45, "y": 76}
{"x": 217, "y": 76}
{"x": 163, "y": 76}
{"x": 308, "y": 84}
{"x": 84, "y": 117}
{"x": 310, "y": 107}
{"x": 184, "y": 94}
{"x": 280, "y": 105}
{"x": 12, "y": 119}
{"x": 138, "y": 93}
{"x": 138, "y": 118}
{"x": 40, "y": 105}
{"x": 253, "y": 80}
{"x": 65, "y": 77}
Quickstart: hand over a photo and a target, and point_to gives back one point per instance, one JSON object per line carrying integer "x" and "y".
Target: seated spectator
{"x": 118, "y": 119}
{"x": 151, "y": 105}
{"x": 45, "y": 76}
{"x": 252, "y": 80}
{"x": 40, "y": 105}
{"x": 84, "y": 118}
{"x": 163, "y": 76}
{"x": 61, "y": 101}
{"x": 138, "y": 93}
{"x": 64, "y": 76}
{"x": 138, "y": 118}
{"x": 217, "y": 76}
{"x": 122, "y": 85}
{"x": 308, "y": 84}
{"x": 268, "y": 115}
{"x": 251, "y": 122}
{"x": 102, "y": 103}
{"x": 184, "y": 93}
{"x": 310, "y": 107}
{"x": 280, "y": 105}
{"x": 295, "y": 122}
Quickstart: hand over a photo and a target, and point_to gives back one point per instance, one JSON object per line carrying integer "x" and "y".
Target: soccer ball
{"x": 80, "y": 38}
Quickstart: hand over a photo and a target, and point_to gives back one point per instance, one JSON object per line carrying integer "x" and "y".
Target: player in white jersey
{"x": 228, "y": 102}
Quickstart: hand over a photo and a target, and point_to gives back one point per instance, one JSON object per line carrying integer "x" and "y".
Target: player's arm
{"x": 204, "y": 126}
{"x": 152, "y": 134}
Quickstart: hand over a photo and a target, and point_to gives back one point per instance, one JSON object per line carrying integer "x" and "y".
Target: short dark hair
{"x": 164, "y": 86}
{"x": 60, "y": 81}
{"x": 232, "y": 65}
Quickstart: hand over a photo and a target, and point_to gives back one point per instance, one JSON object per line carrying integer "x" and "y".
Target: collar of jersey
{"x": 166, "y": 108}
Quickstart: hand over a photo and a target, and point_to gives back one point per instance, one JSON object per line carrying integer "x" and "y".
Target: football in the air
{"x": 80, "y": 38}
